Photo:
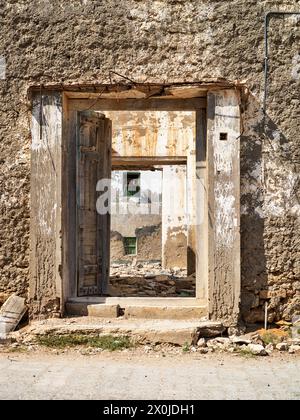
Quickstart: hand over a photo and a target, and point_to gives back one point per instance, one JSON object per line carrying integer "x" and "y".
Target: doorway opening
{"x": 148, "y": 248}
{"x": 145, "y": 260}
{"x": 152, "y": 253}
{"x": 147, "y": 244}
{"x": 73, "y": 240}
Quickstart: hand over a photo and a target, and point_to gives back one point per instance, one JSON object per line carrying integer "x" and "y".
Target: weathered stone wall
{"x": 168, "y": 40}
{"x": 136, "y": 217}
{"x": 149, "y": 244}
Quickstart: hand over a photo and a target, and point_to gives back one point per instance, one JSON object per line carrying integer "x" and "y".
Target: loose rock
{"x": 294, "y": 349}
{"x": 269, "y": 348}
{"x": 282, "y": 346}
{"x": 240, "y": 340}
{"x": 203, "y": 350}
{"x": 223, "y": 340}
{"x": 201, "y": 343}
{"x": 213, "y": 329}
{"x": 257, "y": 349}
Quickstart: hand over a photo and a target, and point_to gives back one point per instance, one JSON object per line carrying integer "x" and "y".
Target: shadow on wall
{"x": 270, "y": 211}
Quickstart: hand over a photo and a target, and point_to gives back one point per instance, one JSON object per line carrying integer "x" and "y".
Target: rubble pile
{"x": 259, "y": 343}
{"x": 150, "y": 279}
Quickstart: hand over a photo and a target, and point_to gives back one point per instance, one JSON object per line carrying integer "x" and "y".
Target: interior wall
{"x": 174, "y": 217}
{"x": 137, "y": 217}
{"x": 152, "y": 133}
{"x": 165, "y": 134}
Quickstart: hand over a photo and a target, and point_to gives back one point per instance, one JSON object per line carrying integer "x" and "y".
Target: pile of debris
{"x": 150, "y": 279}
{"x": 259, "y": 343}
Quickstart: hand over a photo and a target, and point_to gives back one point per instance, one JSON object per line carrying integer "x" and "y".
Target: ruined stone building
{"x": 191, "y": 109}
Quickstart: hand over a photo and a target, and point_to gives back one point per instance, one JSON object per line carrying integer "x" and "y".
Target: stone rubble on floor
{"x": 256, "y": 343}
{"x": 282, "y": 346}
{"x": 294, "y": 348}
{"x": 149, "y": 279}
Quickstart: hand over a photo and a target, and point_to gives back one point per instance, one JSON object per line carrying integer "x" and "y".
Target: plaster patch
{"x": 2, "y": 67}
{"x": 50, "y": 117}
{"x": 296, "y": 67}
{"x": 225, "y": 214}
{"x": 281, "y": 186}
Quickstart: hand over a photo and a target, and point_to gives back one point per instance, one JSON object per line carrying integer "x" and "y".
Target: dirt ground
{"x": 146, "y": 373}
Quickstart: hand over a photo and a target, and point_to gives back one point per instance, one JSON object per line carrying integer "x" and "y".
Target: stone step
{"x": 165, "y": 312}
{"x": 146, "y": 301}
{"x": 153, "y": 331}
{"x": 137, "y": 309}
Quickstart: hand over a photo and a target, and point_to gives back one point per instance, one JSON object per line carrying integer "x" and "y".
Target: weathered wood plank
{"x": 11, "y": 313}
{"x": 106, "y": 218}
{"x": 138, "y": 104}
{"x": 93, "y": 164}
{"x": 45, "y": 282}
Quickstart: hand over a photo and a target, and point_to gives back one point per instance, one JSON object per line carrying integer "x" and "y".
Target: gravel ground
{"x": 144, "y": 374}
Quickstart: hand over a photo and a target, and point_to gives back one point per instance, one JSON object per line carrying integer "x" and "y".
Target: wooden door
{"x": 93, "y": 229}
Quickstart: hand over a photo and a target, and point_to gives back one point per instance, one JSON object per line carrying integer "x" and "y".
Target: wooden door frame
{"x": 212, "y": 278}
{"x": 71, "y": 108}
{"x": 101, "y": 132}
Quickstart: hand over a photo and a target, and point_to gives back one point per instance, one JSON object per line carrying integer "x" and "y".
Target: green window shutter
{"x": 132, "y": 186}
{"x": 130, "y": 246}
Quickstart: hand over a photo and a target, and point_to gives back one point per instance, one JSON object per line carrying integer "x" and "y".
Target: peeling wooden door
{"x": 93, "y": 229}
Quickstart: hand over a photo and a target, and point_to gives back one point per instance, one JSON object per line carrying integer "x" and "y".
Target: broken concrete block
{"x": 103, "y": 310}
{"x": 210, "y": 329}
{"x": 269, "y": 348}
{"x": 11, "y": 314}
{"x": 223, "y": 340}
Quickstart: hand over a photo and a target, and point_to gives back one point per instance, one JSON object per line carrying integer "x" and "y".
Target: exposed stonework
{"x": 175, "y": 253}
{"x": 116, "y": 246}
{"x": 149, "y": 279}
{"x": 80, "y": 41}
{"x": 148, "y": 241}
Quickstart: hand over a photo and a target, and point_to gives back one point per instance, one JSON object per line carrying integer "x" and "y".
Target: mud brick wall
{"x": 148, "y": 245}
{"x": 168, "y": 40}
